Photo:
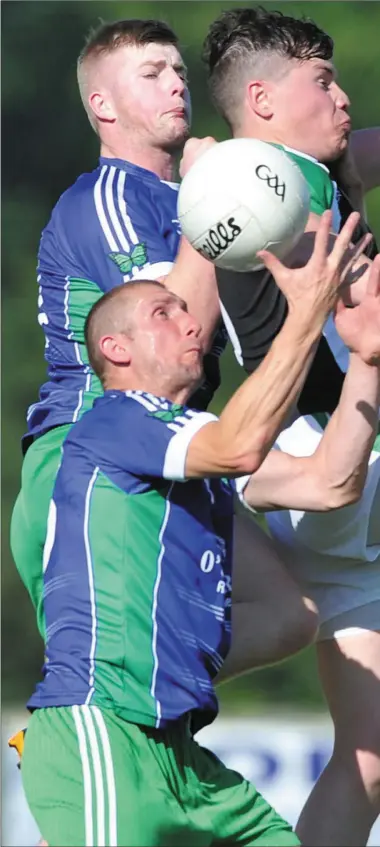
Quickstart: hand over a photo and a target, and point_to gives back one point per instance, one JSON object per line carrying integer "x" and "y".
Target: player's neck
{"x": 266, "y": 133}
{"x": 160, "y": 162}
{"x": 174, "y": 394}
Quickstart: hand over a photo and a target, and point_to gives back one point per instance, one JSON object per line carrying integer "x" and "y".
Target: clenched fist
{"x": 194, "y": 148}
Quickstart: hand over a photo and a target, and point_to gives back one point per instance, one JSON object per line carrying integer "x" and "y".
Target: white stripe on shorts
{"x": 89, "y": 838}
{"x": 92, "y": 761}
{"x": 97, "y": 768}
{"x": 112, "y": 814}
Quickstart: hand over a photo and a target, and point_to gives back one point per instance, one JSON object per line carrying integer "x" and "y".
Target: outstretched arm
{"x": 335, "y": 474}
{"x": 240, "y": 440}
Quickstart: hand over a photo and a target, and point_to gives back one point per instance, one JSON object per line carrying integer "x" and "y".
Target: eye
{"x": 151, "y": 75}
{"x": 324, "y": 84}
{"x": 162, "y": 312}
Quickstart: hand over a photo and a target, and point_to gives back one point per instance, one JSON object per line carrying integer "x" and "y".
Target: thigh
{"x": 237, "y": 811}
{"x": 270, "y": 617}
{"x": 91, "y": 778}
{"x": 259, "y": 574}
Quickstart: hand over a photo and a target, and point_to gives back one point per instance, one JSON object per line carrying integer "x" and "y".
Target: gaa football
{"x": 241, "y": 196}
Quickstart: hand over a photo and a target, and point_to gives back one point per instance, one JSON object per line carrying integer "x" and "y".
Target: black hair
{"x": 245, "y": 35}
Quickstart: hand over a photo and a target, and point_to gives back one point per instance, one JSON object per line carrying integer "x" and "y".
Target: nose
{"x": 342, "y": 101}
{"x": 177, "y": 84}
{"x": 191, "y": 325}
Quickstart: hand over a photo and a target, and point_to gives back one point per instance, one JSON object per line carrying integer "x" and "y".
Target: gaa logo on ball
{"x": 242, "y": 196}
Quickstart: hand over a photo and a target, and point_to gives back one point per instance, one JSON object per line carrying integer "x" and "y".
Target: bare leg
{"x": 345, "y": 801}
{"x": 270, "y": 618}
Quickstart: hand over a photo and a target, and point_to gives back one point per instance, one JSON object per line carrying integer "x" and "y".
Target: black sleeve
{"x": 254, "y": 310}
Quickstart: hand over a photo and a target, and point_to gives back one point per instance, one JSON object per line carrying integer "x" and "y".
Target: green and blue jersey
{"x": 114, "y": 225}
{"x": 137, "y": 566}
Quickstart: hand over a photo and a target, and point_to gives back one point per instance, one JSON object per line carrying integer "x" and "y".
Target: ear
{"x": 116, "y": 348}
{"x": 260, "y": 98}
{"x": 102, "y": 107}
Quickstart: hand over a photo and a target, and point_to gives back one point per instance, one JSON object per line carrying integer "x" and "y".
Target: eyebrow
{"x": 168, "y": 300}
{"x": 162, "y": 63}
{"x": 329, "y": 69}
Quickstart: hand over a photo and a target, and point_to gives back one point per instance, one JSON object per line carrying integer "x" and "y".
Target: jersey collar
{"x": 129, "y": 167}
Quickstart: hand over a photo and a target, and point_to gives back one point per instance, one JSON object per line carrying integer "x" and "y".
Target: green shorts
{"x": 30, "y": 513}
{"x": 91, "y": 778}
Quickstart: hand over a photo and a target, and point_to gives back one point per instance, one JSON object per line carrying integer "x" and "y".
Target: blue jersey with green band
{"x": 116, "y": 224}
{"x": 137, "y": 566}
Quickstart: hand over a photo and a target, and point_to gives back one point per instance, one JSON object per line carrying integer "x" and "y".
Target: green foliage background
{"x": 47, "y": 143}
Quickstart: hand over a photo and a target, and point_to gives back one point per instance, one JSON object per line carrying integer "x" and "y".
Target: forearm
{"x": 240, "y": 440}
{"x": 193, "y": 279}
{"x": 343, "y": 453}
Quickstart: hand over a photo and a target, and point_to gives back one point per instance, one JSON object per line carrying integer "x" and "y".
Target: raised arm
{"x": 335, "y": 474}
{"x": 240, "y": 440}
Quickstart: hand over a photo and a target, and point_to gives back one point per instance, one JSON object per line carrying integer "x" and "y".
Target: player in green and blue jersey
{"x": 138, "y": 566}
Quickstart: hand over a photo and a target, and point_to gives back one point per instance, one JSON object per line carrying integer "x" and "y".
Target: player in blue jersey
{"x": 272, "y": 77}
{"x": 117, "y": 224}
{"x": 138, "y": 560}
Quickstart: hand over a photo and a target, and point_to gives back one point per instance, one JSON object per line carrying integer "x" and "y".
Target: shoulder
{"x": 318, "y": 178}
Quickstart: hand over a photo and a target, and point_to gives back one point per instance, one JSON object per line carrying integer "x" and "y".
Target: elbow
{"x": 342, "y": 495}
{"x": 244, "y": 455}
{"x": 245, "y": 463}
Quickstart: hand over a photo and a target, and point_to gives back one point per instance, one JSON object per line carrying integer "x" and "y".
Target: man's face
{"x": 149, "y": 93}
{"x": 165, "y": 350}
{"x": 311, "y": 111}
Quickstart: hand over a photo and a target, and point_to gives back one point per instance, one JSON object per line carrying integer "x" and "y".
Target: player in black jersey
{"x": 272, "y": 77}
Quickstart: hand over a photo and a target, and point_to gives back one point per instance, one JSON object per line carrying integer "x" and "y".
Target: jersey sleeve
{"x": 144, "y": 437}
{"x": 320, "y": 184}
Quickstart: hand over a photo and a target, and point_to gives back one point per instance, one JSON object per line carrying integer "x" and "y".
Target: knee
{"x": 369, "y": 769}
{"x": 298, "y": 626}
{"x": 361, "y": 767}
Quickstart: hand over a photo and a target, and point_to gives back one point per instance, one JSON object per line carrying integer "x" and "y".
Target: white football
{"x": 241, "y": 196}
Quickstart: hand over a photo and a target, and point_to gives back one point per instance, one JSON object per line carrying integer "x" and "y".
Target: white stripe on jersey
{"x": 50, "y": 534}
{"x": 90, "y": 581}
{"x": 232, "y": 334}
{"x": 124, "y": 243}
{"x": 81, "y": 394}
{"x": 100, "y": 210}
{"x": 123, "y": 208}
{"x": 136, "y": 395}
{"x": 154, "y": 608}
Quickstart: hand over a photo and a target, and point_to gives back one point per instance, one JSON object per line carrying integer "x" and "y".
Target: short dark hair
{"x": 109, "y": 37}
{"x": 132, "y": 32}
{"x": 106, "y": 316}
{"x": 242, "y": 35}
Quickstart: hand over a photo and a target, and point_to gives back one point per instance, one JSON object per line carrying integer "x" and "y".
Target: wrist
{"x": 365, "y": 361}
{"x": 306, "y": 324}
